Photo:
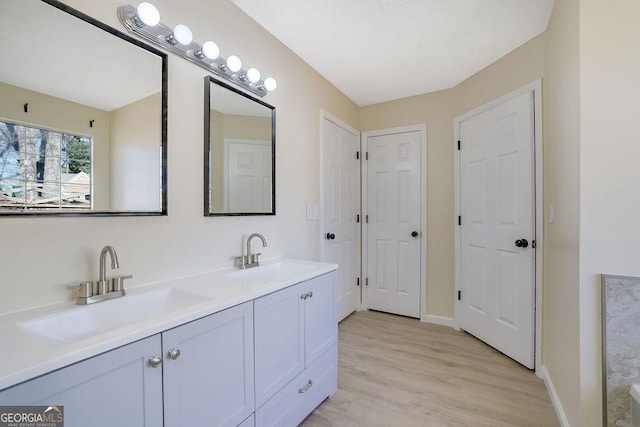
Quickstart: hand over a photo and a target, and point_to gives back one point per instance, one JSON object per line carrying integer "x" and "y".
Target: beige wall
{"x": 155, "y": 248}
{"x": 59, "y": 114}
{"x": 609, "y": 171}
{"x": 437, "y": 110}
{"x": 136, "y": 130}
{"x": 216, "y": 201}
{"x": 561, "y": 97}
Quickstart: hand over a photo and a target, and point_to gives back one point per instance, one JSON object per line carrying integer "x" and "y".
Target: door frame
{"x": 422, "y": 128}
{"x": 536, "y": 88}
{"x": 325, "y": 115}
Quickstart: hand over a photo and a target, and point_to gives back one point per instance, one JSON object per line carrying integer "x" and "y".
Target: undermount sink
{"x": 278, "y": 271}
{"x": 82, "y": 322}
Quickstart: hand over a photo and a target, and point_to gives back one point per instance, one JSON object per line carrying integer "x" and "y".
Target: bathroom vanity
{"x": 228, "y": 348}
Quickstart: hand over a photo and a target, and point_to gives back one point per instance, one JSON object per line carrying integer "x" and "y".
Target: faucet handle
{"x": 254, "y": 258}
{"x": 85, "y": 289}
{"x": 241, "y": 261}
{"x": 118, "y": 283}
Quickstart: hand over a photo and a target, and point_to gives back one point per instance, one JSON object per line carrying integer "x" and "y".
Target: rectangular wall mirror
{"x": 240, "y": 157}
{"x": 82, "y": 115}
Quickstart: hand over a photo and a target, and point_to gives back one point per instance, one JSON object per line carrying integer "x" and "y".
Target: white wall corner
{"x": 555, "y": 400}
{"x": 439, "y": 320}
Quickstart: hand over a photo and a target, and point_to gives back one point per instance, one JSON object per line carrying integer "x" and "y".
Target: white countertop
{"x": 27, "y": 355}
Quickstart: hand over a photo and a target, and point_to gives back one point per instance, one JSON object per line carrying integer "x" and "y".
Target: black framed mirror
{"x": 83, "y": 116}
{"x": 239, "y": 152}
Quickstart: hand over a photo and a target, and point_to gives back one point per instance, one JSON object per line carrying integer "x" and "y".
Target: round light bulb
{"x": 210, "y": 50}
{"x": 148, "y": 14}
{"x": 234, "y": 64}
{"x": 253, "y": 75}
{"x": 270, "y": 84}
{"x": 182, "y": 34}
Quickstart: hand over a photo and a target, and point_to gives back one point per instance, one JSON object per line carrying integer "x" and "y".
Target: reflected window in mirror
{"x": 90, "y": 95}
{"x": 43, "y": 169}
{"x": 239, "y": 152}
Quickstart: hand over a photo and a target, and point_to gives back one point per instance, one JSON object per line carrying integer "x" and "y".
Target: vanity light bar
{"x": 145, "y": 21}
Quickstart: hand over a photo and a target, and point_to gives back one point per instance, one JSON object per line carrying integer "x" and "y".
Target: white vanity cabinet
{"x": 296, "y": 337}
{"x": 210, "y": 381}
{"x": 256, "y": 348}
{"x": 205, "y": 368}
{"x": 117, "y": 388}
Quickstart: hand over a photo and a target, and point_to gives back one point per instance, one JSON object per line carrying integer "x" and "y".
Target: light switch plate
{"x": 316, "y": 212}
{"x": 309, "y": 213}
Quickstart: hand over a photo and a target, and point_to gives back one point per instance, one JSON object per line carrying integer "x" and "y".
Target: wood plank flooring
{"x": 396, "y": 371}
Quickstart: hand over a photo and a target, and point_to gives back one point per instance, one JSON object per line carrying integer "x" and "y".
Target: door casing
{"x": 536, "y": 88}
{"x": 422, "y": 128}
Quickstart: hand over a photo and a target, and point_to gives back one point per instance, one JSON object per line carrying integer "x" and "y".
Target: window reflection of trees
{"x": 41, "y": 168}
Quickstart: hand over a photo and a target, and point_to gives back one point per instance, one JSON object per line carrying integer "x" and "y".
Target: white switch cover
{"x": 309, "y": 212}
{"x": 316, "y": 212}
{"x": 551, "y": 213}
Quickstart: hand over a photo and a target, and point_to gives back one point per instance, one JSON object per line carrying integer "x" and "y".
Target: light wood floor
{"x": 395, "y": 371}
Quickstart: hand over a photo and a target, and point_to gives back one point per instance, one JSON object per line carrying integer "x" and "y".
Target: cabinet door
{"x": 211, "y": 381}
{"x": 321, "y": 322}
{"x": 279, "y": 340}
{"x": 117, "y": 388}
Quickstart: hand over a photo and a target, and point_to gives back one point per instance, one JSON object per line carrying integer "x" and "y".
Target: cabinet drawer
{"x": 303, "y": 394}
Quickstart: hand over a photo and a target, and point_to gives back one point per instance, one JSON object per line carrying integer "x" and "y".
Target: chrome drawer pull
{"x": 305, "y": 388}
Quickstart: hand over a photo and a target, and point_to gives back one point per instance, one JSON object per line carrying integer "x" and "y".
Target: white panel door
{"x": 393, "y": 228}
{"x": 248, "y": 175}
{"x": 497, "y": 216}
{"x": 341, "y": 208}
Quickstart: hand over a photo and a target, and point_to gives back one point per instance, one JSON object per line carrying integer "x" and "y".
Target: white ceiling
{"x": 374, "y": 51}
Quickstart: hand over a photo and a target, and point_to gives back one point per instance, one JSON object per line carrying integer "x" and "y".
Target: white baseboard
{"x": 439, "y": 320}
{"x": 555, "y": 400}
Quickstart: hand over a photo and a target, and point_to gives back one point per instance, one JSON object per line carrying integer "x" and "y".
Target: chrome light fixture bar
{"x": 145, "y": 22}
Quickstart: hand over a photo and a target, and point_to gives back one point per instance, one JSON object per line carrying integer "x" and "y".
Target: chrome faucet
{"x": 103, "y": 284}
{"x": 102, "y": 289}
{"x": 251, "y": 260}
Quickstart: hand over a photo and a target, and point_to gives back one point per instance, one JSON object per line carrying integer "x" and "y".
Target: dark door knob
{"x": 331, "y": 236}
{"x": 522, "y": 243}
{"x": 414, "y": 234}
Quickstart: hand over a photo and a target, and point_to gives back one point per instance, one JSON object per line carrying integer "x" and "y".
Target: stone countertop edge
{"x": 31, "y": 356}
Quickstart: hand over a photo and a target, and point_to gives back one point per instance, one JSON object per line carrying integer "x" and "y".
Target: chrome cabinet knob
{"x": 174, "y": 354}
{"x": 155, "y": 361}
